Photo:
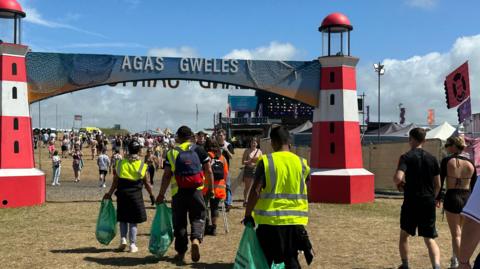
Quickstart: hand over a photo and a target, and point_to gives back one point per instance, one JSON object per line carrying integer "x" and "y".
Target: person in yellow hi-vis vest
{"x": 186, "y": 166}
{"x": 278, "y": 203}
{"x": 129, "y": 179}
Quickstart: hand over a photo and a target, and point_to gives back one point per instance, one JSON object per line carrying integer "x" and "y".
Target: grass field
{"x": 61, "y": 233}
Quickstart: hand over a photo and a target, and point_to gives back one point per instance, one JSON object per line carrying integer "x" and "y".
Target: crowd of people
{"x": 196, "y": 168}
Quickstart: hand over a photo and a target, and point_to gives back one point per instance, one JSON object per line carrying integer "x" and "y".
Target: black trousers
{"x": 187, "y": 202}
{"x": 280, "y": 244}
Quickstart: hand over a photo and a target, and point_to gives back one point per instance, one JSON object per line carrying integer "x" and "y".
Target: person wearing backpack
{"x": 186, "y": 166}
{"x": 220, "y": 172}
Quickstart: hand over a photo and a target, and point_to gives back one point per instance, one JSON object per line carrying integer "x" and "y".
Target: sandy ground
{"x": 61, "y": 233}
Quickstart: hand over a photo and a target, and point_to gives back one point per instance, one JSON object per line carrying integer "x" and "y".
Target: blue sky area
{"x": 395, "y": 30}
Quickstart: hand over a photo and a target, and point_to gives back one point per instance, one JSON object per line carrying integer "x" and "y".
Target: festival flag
{"x": 431, "y": 116}
{"x": 464, "y": 111}
{"x": 457, "y": 86}
{"x": 402, "y": 115}
{"x": 229, "y": 110}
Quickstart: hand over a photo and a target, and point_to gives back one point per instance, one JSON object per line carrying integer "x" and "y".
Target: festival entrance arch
{"x": 327, "y": 83}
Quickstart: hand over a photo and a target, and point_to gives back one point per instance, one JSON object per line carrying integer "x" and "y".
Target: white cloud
{"x": 275, "y": 51}
{"x": 183, "y": 51}
{"x": 33, "y": 16}
{"x": 425, "y": 4}
{"x": 417, "y": 82}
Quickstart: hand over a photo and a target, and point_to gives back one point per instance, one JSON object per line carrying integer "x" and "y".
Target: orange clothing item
{"x": 219, "y": 186}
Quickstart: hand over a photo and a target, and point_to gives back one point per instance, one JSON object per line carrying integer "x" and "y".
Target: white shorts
{"x": 472, "y": 208}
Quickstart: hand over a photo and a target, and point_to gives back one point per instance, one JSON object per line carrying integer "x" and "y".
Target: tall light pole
{"x": 379, "y": 68}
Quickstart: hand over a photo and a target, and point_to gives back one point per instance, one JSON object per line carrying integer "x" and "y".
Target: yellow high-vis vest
{"x": 284, "y": 199}
{"x": 131, "y": 170}
{"x": 172, "y": 157}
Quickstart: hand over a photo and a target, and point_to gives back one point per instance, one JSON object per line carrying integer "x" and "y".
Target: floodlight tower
{"x": 20, "y": 183}
{"x": 336, "y": 154}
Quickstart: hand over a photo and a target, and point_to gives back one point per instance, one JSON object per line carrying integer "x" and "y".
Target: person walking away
{"x": 51, "y": 148}
{"x": 470, "y": 231}
{"x": 185, "y": 167}
{"x": 116, "y": 156}
{"x": 460, "y": 175}
{"x": 93, "y": 147}
{"x": 152, "y": 164}
{"x": 227, "y": 152}
{"x": 77, "y": 163}
{"x": 128, "y": 182}
{"x": 65, "y": 144}
{"x": 56, "y": 166}
{"x": 418, "y": 175}
{"x": 103, "y": 162}
{"x": 249, "y": 161}
{"x": 278, "y": 203}
{"x": 215, "y": 192}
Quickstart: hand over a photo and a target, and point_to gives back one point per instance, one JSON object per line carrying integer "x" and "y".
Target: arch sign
{"x": 51, "y": 74}
{"x": 327, "y": 83}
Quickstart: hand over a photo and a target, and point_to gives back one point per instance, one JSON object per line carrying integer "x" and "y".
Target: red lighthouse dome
{"x": 336, "y": 22}
{"x": 10, "y": 9}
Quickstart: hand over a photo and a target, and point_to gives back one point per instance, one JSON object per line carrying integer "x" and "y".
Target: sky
{"x": 419, "y": 41}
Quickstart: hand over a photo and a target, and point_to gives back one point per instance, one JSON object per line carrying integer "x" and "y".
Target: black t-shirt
{"x": 420, "y": 167}
{"x": 202, "y": 155}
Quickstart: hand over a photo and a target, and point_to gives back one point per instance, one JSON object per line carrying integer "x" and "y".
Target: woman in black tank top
{"x": 459, "y": 173}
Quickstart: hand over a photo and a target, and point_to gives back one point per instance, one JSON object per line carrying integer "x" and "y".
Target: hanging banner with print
{"x": 457, "y": 86}
{"x": 464, "y": 111}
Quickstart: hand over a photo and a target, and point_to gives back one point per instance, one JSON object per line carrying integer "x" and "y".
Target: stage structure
{"x": 327, "y": 83}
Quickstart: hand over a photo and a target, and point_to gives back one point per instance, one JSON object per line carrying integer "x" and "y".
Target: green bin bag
{"x": 250, "y": 254}
{"x": 106, "y": 222}
{"x": 161, "y": 233}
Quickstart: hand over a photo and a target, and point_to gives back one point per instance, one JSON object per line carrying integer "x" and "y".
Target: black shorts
{"x": 102, "y": 172}
{"x": 455, "y": 200}
{"x": 421, "y": 214}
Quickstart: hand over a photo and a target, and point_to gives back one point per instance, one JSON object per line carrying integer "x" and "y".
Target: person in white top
{"x": 56, "y": 166}
{"x": 103, "y": 163}
{"x": 471, "y": 230}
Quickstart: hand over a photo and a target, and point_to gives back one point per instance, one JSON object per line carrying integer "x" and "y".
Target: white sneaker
{"x": 123, "y": 244}
{"x": 104, "y": 185}
{"x": 53, "y": 184}
{"x": 133, "y": 248}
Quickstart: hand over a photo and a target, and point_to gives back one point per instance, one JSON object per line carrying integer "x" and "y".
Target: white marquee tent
{"x": 443, "y": 131}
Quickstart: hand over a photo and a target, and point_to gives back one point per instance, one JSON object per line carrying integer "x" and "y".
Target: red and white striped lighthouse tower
{"x": 336, "y": 155}
{"x": 20, "y": 183}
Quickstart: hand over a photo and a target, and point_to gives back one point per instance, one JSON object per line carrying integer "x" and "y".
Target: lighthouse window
{"x": 332, "y": 99}
{"x": 15, "y": 124}
{"x": 332, "y": 77}
{"x": 14, "y": 93}
{"x": 332, "y": 148}
{"x": 16, "y": 147}
{"x": 14, "y": 69}
{"x": 332, "y": 127}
